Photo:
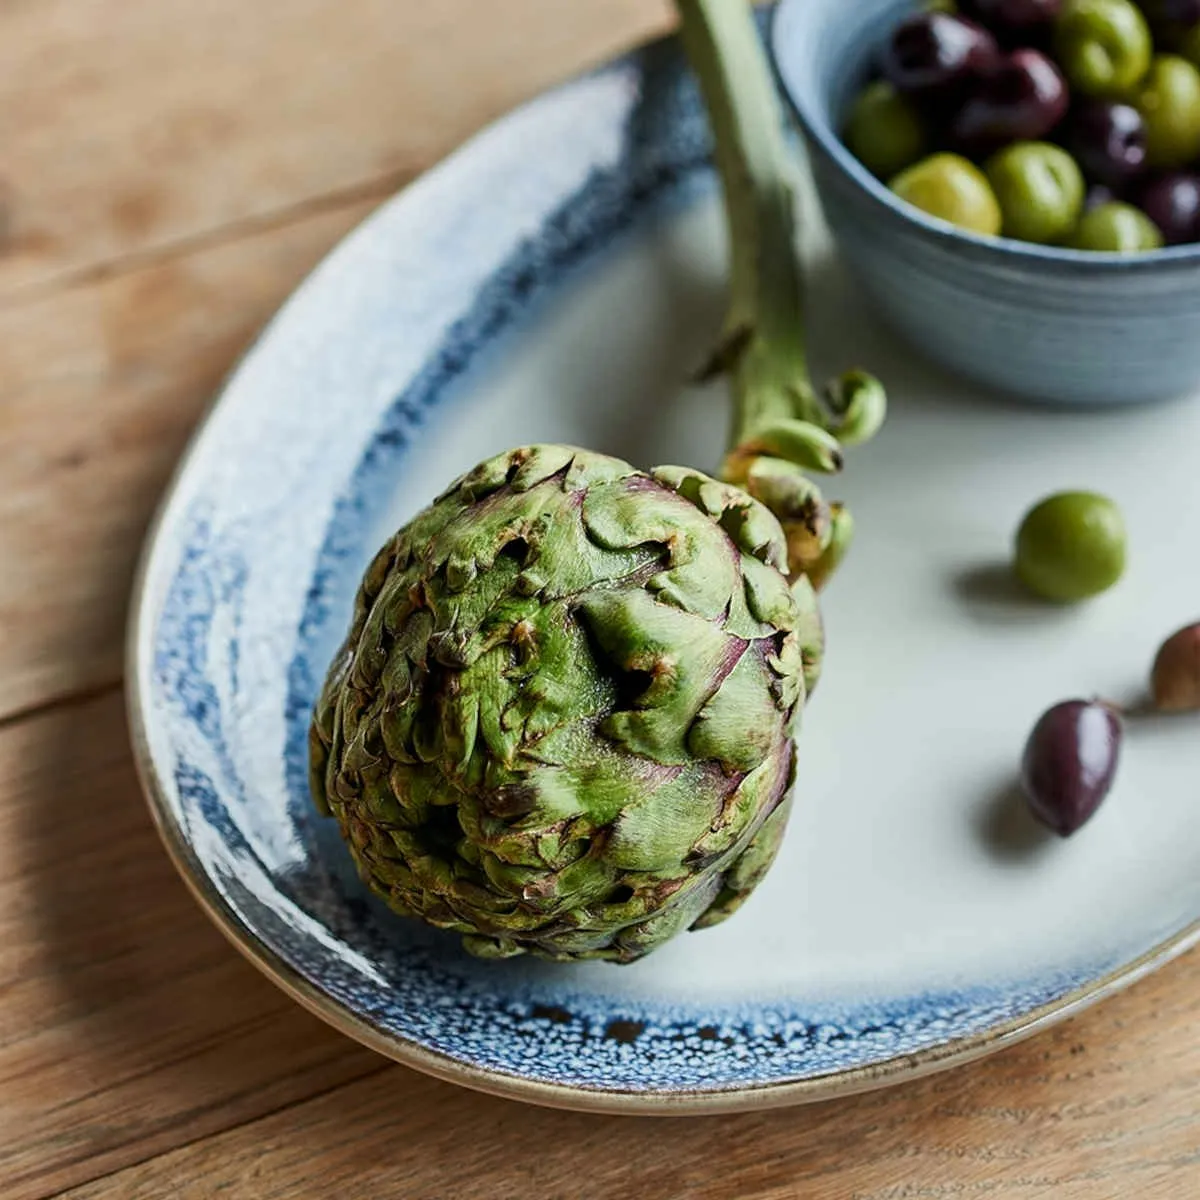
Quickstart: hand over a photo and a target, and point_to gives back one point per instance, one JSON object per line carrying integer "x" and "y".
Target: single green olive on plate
{"x": 1071, "y": 546}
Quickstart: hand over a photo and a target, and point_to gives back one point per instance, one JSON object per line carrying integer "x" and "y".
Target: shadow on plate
{"x": 992, "y": 593}
{"x": 1008, "y": 829}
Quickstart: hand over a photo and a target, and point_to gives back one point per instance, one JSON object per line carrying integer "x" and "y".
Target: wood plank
{"x": 1103, "y": 1107}
{"x": 99, "y": 388}
{"x": 134, "y": 125}
{"x": 127, "y": 1024}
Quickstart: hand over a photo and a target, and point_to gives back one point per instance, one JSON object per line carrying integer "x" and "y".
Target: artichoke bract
{"x": 561, "y": 723}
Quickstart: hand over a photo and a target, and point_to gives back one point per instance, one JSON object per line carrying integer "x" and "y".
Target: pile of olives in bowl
{"x": 1072, "y": 123}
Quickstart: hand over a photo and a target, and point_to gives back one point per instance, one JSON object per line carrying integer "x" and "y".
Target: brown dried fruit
{"x": 1176, "y": 676}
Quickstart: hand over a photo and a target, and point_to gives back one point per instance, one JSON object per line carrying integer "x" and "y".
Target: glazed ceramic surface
{"x": 559, "y": 279}
{"x": 1049, "y": 324}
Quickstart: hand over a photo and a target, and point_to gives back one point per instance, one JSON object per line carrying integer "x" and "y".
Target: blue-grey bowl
{"x": 1044, "y": 323}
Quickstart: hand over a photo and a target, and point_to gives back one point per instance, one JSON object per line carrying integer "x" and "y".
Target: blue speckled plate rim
{"x": 576, "y": 1096}
{"x": 581, "y": 1098}
{"x": 997, "y": 251}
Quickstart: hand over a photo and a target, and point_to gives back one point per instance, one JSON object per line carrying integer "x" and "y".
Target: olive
{"x": 1023, "y": 98}
{"x": 1104, "y": 46}
{"x": 1175, "y": 679}
{"x": 1108, "y": 141}
{"x": 1118, "y": 229}
{"x": 1070, "y": 763}
{"x": 1071, "y": 546}
{"x": 952, "y": 188}
{"x": 1171, "y": 19}
{"x": 1172, "y": 202}
{"x": 1040, "y": 191}
{"x": 1188, "y": 44}
{"x": 885, "y": 132}
{"x": 1097, "y": 195}
{"x": 935, "y": 54}
{"x": 1172, "y": 12}
{"x": 1169, "y": 100}
{"x": 1014, "y": 17}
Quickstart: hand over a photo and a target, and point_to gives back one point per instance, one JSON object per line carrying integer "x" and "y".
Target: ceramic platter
{"x": 558, "y": 279}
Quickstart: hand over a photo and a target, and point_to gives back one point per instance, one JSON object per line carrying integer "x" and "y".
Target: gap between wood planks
{"x": 41, "y": 708}
{"x": 377, "y": 187}
{"x": 266, "y": 1114}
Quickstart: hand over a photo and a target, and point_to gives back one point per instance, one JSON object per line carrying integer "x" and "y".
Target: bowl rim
{"x": 999, "y": 251}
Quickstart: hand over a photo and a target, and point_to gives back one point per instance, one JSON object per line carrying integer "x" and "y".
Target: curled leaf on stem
{"x": 858, "y": 402}
{"x": 778, "y": 414}
{"x": 808, "y": 446}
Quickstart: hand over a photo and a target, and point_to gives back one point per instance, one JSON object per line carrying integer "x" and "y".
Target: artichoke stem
{"x": 781, "y": 426}
{"x": 762, "y": 348}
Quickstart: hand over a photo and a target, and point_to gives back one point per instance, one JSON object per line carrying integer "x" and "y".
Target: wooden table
{"x": 168, "y": 172}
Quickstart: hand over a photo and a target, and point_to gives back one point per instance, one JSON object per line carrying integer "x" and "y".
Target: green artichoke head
{"x": 561, "y": 723}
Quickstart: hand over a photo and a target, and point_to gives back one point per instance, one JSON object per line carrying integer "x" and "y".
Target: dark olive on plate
{"x": 1172, "y": 202}
{"x": 1021, "y": 99}
{"x": 1070, "y": 763}
{"x": 936, "y": 54}
{"x": 1108, "y": 140}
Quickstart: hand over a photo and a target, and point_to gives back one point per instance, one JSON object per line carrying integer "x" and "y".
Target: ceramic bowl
{"x": 1043, "y": 323}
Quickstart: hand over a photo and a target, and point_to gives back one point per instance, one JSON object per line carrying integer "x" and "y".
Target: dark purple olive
{"x": 1172, "y": 14}
{"x": 935, "y": 54}
{"x": 1108, "y": 141}
{"x": 1006, "y": 17}
{"x": 1070, "y": 763}
{"x": 1020, "y": 100}
{"x": 1172, "y": 202}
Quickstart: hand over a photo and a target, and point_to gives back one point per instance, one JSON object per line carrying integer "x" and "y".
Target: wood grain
{"x": 127, "y": 1023}
{"x": 170, "y": 171}
{"x": 129, "y": 126}
{"x": 99, "y": 388}
{"x": 1101, "y": 1109}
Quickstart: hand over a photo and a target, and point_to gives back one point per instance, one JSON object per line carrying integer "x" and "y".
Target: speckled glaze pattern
{"x": 248, "y": 582}
{"x": 1044, "y": 323}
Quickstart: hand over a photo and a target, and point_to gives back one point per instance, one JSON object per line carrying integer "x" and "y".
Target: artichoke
{"x": 562, "y": 720}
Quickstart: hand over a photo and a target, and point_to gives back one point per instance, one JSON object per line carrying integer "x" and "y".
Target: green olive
{"x": 1104, "y": 46}
{"x": 952, "y": 188}
{"x": 1071, "y": 546}
{"x": 1117, "y": 228}
{"x": 885, "y": 132}
{"x": 1040, "y": 190}
{"x": 1169, "y": 100}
